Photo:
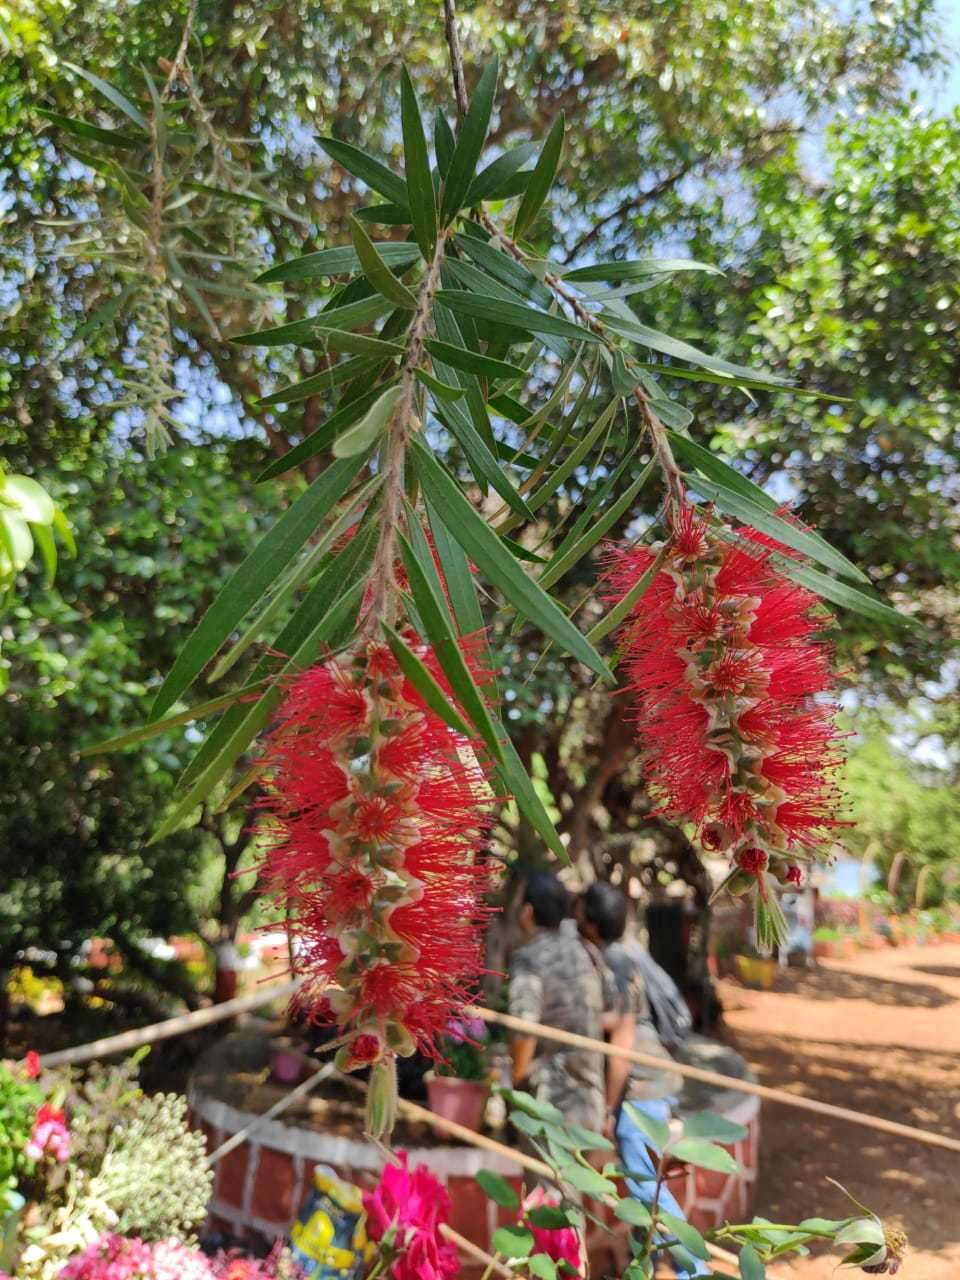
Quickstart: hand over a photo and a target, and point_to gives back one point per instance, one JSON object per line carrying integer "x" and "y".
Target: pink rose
{"x": 562, "y": 1244}
{"x": 49, "y": 1134}
{"x": 416, "y": 1205}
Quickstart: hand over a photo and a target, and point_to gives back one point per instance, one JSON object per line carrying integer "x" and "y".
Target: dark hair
{"x": 606, "y": 909}
{"x": 548, "y": 898}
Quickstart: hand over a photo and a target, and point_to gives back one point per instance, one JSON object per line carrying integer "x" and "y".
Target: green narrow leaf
{"x": 505, "y": 269}
{"x": 472, "y": 135}
{"x": 541, "y": 179}
{"x": 362, "y": 436}
{"x": 566, "y": 557}
{"x": 156, "y": 727}
{"x": 43, "y": 536}
{"x": 342, "y": 570}
{"x": 670, "y": 412}
{"x": 444, "y": 143}
{"x": 612, "y": 619}
{"x": 551, "y": 1217}
{"x": 458, "y": 576}
{"x": 517, "y": 783}
{"x": 368, "y": 170}
{"x": 384, "y": 215}
{"x": 428, "y": 597}
{"x": 338, "y": 261}
{"x": 842, "y": 594}
{"x": 334, "y": 626}
{"x": 109, "y": 137}
{"x": 617, "y": 272}
{"x": 499, "y": 1190}
{"x": 320, "y": 441}
{"x": 377, "y": 271}
{"x": 703, "y": 1154}
{"x": 633, "y": 1212}
{"x": 575, "y": 456}
{"x": 424, "y": 683}
{"x": 689, "y": 1236}
{"x": 473, "y": 362}
{"x": 326, "y": 380}
{"x": 714, "y": 468}
{"x": 340, "y": 318}
{"x": 248, "y": 583}
{"x": 657, "y": 341}
{"x": 420, "y": 193}
{"x": 752, "y": 513}
{"x": 515, "y": 314}
{"x": 751, "y": 1268}
{"x": 291, "y": 583}
{"x": 65, "y": 530}
{"x": 485, "y": 548}
{"x": 442, "y": 389}
{"x": 488, "y": 183}
{"x": 112, "y": 95}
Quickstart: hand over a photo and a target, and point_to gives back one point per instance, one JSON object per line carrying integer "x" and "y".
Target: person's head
{"x": 544, "y": 903}
{"x": 602, "y": 913}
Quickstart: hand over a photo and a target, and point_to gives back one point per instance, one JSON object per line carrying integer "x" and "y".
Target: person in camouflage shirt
{"x": 560, "y": 981}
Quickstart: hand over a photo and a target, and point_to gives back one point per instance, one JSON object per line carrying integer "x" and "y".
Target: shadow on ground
{"x": 824, "y": 984}
{"x": 909, "y": 1183}
{"x": 937, "y": 970}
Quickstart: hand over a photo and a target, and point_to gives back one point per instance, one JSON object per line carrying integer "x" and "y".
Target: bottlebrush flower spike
{"x": 379, "y": 819}
{"x": 722, "y": 655}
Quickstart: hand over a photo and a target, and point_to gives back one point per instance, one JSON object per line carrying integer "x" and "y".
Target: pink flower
{"x": 115, "y": 1257}
{"x": 49, "y": 1135}
{"x": 466, "y": 1030}
{"x": 32, "y": 1064}
{"x": 415, "y": 1205}
{"x": 562, "y": 1244}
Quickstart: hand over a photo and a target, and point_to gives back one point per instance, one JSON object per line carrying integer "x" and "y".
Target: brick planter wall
{"x": 260, "y": 1186}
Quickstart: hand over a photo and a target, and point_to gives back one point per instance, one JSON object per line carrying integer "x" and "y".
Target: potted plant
{"x": 755, "y": 970}
{"x": 458, "y": 1086}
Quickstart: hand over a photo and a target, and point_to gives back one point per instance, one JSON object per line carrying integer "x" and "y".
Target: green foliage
{"x": 19, "y": 1099}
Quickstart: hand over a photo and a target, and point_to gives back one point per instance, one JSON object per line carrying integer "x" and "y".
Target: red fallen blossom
{"x": 378, "y": 813}
{"x": 729, "y": 675}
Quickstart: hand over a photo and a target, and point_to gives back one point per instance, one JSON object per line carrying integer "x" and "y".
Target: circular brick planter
{"x": 260, "y": 1186}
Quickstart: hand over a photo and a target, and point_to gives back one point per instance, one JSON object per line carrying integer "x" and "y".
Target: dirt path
{"x": 879, "y": 1033}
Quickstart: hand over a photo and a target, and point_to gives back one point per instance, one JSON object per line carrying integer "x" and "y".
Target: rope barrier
{"x": 126, "y": 1041}
{"x": 715, "y": 1078}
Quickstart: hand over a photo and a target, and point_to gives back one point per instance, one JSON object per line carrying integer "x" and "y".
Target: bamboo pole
{"x": 726, "y": 1082}
{"x": 126, "y": 1041}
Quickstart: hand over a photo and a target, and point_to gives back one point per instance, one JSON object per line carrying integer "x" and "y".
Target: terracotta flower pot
{"x": 287, "y": 1063}
{"x": 462, "y": 1101}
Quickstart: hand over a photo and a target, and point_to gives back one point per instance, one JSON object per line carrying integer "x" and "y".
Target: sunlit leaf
{"x": 541, "y": 180}
{"x": 420, "y": 193}
{"x": 367, "y": 169}
{"x": 470, "y": 140}
{"x": 338, "y": 261}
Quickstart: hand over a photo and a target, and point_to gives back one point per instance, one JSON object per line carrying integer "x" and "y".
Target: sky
{"x": 943, "y": 94}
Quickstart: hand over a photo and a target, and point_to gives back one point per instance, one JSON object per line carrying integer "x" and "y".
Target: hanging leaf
{"x": 420, "y": 193}
{"x": 444, "y": 143}
{"x": 321, "y": 440}
{"x": 656, "y": 1130}
{"x": 384, "y": 215}
{"x": 326, "y": 380}
{"x": 839, "y": 593}
{"x": 566, "y": 557}
{"x": 484, "y": 547}
{"x": 505, "y": 269}
{"x": 513, "y": 1242}
{"x": 488, "y": 183}
{"x": 109, "y": 137}
{"x": 703, "y": 1154}
{"x": 364, "y": 435}
{"x": 112, "y": 95}
{"x": 472, "y": 135}
{"x": 442, "y": 389}
{"x": 428, "y": 597}
{"x": 751, "y": 1268}
{"x": 515, "y": 314}
{"x": 689, "y": 1236}
{"x": 458, "y": 576}
{"x": 617, "y": 272}
{"x": 764, "y": 521}
{"x": 368, "y": 170}
{"x": 339, "y": 261}
{"x": 377, "y": 271}
{"x": 473, "y": 362}
{"x": 250, "y": 581}
{"x": 707, "y": 1124}
{"x": 299, "y": 331}
{"x": 633, "y": 1212}
{"x": 424, "y": 683}
{"x": 200, "y": 711}
{"x": 541, "y": 179}
{"x": 652, "y": 338}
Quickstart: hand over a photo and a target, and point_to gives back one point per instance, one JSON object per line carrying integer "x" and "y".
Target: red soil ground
{"x": 879, "y": 1033}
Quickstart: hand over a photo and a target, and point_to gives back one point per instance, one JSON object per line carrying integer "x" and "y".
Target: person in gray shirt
{"x": 602, "y": 919}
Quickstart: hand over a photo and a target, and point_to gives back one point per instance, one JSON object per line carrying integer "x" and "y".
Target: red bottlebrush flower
{"x": 728, "y": 673}
{"x": 378, "y": 809}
